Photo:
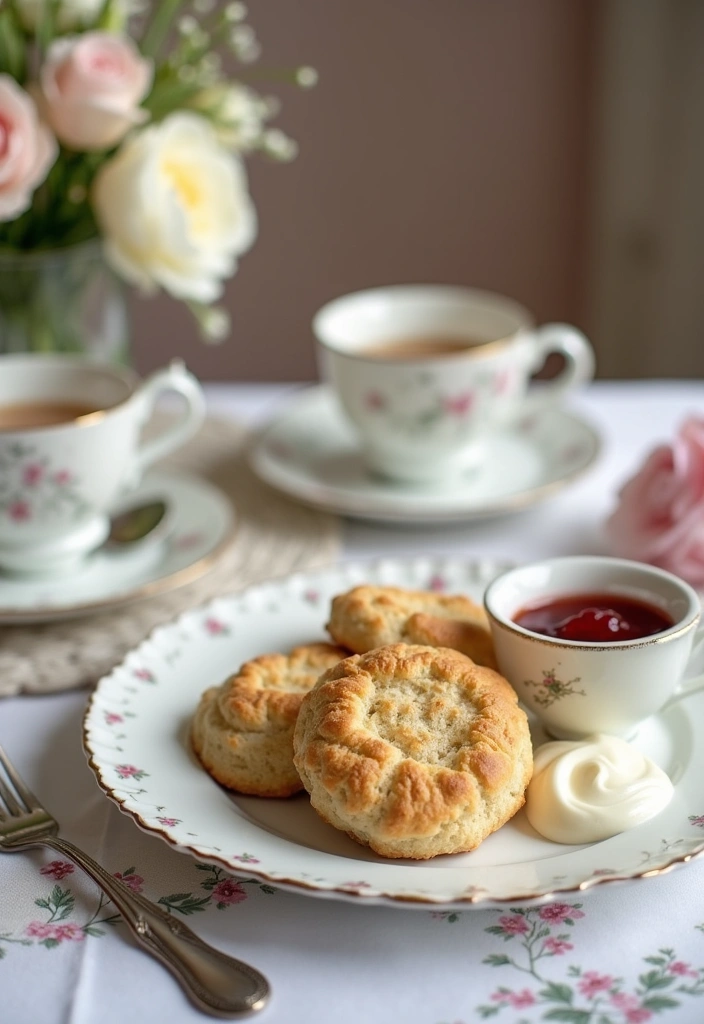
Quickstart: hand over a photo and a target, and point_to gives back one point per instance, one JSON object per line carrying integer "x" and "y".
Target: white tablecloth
{"x": 622, "y": 954}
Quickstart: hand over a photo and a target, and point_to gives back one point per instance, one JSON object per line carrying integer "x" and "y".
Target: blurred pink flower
{"x": 514, "y": 925}
{"x": 32, "y": 474}
{"x": 660, "y": 514}
{"x": 518, "y": 1000}
{"x": 679, "y": 967}
{"x": 20, "y": 511}
{"x": 631, "y": 1008}
{"x": 592, "y": 983}
{"x": 27, "y": 149}
{"x": 72, "y": 932}
{"x": 437, "y": 583}
{"x": 39, "y": 930}
{"x": 557, "y": 946}
{"x": 375, "y": 401}
{"x": 460, "y": 405}
{"x": 215, "y": 627}
{"x": 92, "y": 85}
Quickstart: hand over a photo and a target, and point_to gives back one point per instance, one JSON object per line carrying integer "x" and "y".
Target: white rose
{"x": 174, "y": 209}
{"x": 70, "y": 14}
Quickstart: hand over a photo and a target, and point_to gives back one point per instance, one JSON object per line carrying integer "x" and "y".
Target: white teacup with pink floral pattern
{"x": 58, "y": 482}
{"x": 425, "y": 416}
{"x": 578, "y": 687}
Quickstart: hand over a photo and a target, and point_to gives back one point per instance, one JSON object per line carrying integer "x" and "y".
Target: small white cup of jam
{"x": 593, "y": 644}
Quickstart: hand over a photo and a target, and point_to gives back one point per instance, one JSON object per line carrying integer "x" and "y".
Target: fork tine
{"x": 8, "y": 799}
{"x": 25, "y": 794}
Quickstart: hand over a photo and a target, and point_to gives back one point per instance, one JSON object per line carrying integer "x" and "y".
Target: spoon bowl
{"x": 134, "y": 524}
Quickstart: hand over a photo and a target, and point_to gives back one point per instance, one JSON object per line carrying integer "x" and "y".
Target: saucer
{"x": 311, "y": 453}
{"x": 201, "y": 528}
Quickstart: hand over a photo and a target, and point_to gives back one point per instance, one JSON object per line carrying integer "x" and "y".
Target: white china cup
{"x": 59, "y": 482}
{"x": 420, "y": 419}
{"x": 576, "y": 689}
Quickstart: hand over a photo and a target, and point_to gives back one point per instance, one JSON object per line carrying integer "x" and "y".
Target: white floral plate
{"x": 201, "y": 528}
{"x": 310, "y": 452}
{"x": 135, "y": 735}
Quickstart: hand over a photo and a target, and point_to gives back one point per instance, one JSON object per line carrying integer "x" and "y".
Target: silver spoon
{"x": 136, "y": 523}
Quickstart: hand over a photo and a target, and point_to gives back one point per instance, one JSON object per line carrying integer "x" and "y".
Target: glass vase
{"x": 63, "y": 300}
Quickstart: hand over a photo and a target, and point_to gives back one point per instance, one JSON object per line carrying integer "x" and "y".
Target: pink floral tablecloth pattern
{"x": 622, "y": 955}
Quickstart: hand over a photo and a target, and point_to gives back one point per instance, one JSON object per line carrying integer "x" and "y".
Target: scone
{"x": 242, "y": 731}
{"x": 414, "y": 751}
{"x": 368, "y": 617}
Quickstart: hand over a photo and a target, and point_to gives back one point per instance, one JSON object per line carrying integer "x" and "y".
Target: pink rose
{"x": 27, "y": 149}
{"x": 92, "y": 86}
{"x": 660, "y": 515}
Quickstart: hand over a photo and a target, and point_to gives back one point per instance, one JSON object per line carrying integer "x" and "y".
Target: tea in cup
{"x": 425, "y": 372}
{"x": 70, "y": 447}
{"x": 593, "y": 644}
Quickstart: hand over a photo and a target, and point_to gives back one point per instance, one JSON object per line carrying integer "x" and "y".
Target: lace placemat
{"x": 273, "y": 536}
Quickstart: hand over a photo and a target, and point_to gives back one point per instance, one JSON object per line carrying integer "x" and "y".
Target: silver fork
{"x": 216, "y": 983}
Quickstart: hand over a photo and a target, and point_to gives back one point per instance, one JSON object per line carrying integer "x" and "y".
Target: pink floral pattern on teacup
{"x": 19, "y": 511}
{"x": 434, "y": 408}
{"x": 551, "y": 689}
{"x": 30, "y": 486}
{"x": 460, "y": 405}
{"x": 216, "y": 627}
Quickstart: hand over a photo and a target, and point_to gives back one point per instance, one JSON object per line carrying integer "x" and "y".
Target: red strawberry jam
{"x": 593, "y": 618}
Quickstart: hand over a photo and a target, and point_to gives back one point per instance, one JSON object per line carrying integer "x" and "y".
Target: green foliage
{"x": 557, "y": 993}
{"x": 185, "y": 903}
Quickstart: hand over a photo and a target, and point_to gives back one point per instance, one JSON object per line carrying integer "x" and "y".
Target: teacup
{"x": 424, "y": 372}
{"x": 580, "y": 687}
{"x": 70, "y": 447}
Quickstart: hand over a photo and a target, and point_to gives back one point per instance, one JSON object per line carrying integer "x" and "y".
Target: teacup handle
{"x": 579, "y": 358}
{"x": 695, "y": 683}
{"x": 174, "y": 378}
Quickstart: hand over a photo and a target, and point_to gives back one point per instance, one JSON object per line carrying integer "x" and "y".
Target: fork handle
{"x": 216, "y": 983}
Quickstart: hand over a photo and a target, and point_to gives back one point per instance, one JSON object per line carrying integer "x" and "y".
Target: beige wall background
{"x": 645, "y": 301}
{"x": 446, "y": 141}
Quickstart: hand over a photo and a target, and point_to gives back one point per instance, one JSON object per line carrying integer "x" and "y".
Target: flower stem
{"x": 158, "y": 28}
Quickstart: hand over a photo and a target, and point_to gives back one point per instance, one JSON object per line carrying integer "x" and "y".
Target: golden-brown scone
{"x": 368, "y": 617}
{"x": 414, "y": 751}
{"x": 242, "y": 731}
